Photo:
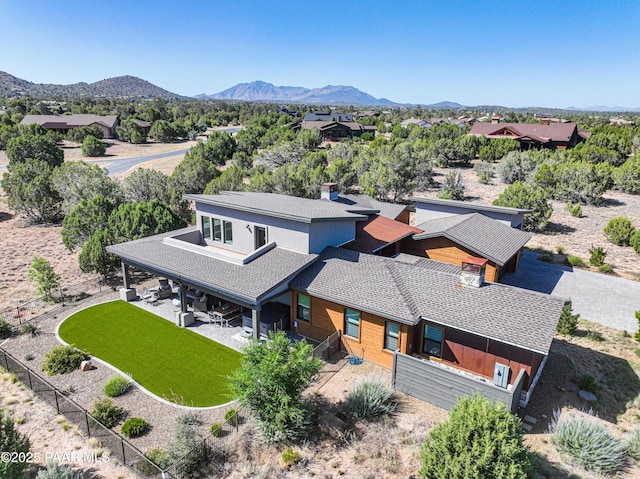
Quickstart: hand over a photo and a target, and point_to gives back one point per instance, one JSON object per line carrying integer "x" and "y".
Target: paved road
{"x": 120, "y": 165}
{"x": 597, "y": 297}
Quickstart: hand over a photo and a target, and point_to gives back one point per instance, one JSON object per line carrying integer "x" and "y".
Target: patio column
{"x": 183, "y": 298}
{"x": 256, "y": 314}
{"x": 125, "y": 274}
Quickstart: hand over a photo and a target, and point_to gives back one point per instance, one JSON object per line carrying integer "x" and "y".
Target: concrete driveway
{"x": 597, "y": 297}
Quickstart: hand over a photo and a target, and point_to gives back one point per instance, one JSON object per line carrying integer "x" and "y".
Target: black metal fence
{"x": 118, "y": 446}
{"x": 28, "y": 310}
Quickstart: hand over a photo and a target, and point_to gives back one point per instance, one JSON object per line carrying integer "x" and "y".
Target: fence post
{"x": 6, "y": 363}
{"x": 29, "y": 378}
{"x": 124, "y": 457}
{"x": 55, "y": 395}
{"x": 86, "y": 420}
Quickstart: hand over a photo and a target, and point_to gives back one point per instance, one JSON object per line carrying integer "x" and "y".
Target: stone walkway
{"x": 600, "y": 298}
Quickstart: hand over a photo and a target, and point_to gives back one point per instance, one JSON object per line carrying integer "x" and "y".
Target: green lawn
{"x": 158, "y": 354}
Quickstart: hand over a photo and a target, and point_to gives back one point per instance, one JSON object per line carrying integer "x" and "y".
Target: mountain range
{"x": 327, "y": 95}
{"x": 122, "y": 86}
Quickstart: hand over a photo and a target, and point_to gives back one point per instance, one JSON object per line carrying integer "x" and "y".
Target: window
{"x": 206, "y": 227}
{"x": 432, "y": 342}
{"x": 304, "y": 307}
{"x": 217, "y": 229}
{"x": 352, "y": 323}
{"x": 391, "y": 335}
{"x": 260, "y": 236}
{"x": 228, "y": 232}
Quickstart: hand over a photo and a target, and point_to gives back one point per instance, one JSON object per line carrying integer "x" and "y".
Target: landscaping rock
{"x": 587, "y": 396}
{"x": 331, "y": 424}
{"x": 86, "y": 366}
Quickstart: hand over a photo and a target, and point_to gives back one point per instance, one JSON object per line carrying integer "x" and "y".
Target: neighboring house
{"x": 145, "y": 125}
{"x": 429, "y": 122}
{"x": 285, "y": 261}
{"x": 64, "y": 123}
{"x": 334, "y": 125}
{"x": 329, "y": 116}
{"x": 434, "y": 208}
{"x": 532, "y": 135}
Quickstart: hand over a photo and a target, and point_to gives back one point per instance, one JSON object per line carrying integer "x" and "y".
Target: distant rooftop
{"x": 470, "y": 206}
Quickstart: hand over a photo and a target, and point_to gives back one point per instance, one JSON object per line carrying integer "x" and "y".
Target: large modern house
{"x": 64, "y": 123}
{"x": 545, "y": 134}
{"x": 334, "y": 125}
{"x": 337, "y": 265}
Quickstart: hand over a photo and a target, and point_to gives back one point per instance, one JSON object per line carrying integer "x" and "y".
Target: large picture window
{"x": 304, "y": 307}
{"x": 391, "y": 336}
{"x": 228, "y": 232}
{"x": 352, "y": 323}
{"x": 432, "y": 341}
{"x": 217, "y": 229}
{"x": 206, "y": 227}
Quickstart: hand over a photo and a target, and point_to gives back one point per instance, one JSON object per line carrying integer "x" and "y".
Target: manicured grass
{"x": 159, "y": 355}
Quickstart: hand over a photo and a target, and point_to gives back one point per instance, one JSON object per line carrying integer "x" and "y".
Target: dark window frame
{"x": 351, "y": 323}
{"x": 206, "y": 225}
{"x": 300, "y": 308}
{"x": 227, "y": 227}
{"x": 429, "y": 349}
{"x": 216, "y": 229}
{"x": 388, "y": 335}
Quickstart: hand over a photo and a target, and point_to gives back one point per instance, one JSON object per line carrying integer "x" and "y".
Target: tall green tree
{"x": 33, "y": 147}
{"x": 530, "y": 197}
{"x": 92, "y": 146}
{"x": 87, "y": 217}
{"x": 77, "y": 180}
{"x": 192, "y": 175}
{"x": 270, "y": 382}
{"x": 131, "y": 221}
{"x": 30, "y": 191}
{"x": 11, "y": 441}
{"x": 44, "y": 278}
{"x": 94, "y": 257}
{"x": 481, "y": 439}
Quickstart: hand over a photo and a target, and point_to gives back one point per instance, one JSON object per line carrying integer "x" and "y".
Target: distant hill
{"x": 604, "y": 108}
{"x": 123, "y": 86}
{"x": 328, "y": 95}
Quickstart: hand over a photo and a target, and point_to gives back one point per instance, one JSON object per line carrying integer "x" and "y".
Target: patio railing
{"x": 326, "y": 348}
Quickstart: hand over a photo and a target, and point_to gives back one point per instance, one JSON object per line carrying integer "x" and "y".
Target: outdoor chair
{"x": 164, "y": 289}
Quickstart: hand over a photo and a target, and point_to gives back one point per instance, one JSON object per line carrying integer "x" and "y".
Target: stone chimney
{"x": 329, "y": 191}
{"x": 495, "y": 119}
{"x": 472, "y": 271}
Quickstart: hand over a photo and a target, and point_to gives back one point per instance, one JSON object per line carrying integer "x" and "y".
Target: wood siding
{"x": 445, "y": 250}
{"x": 327, "y": 317}
{"x": 404, "y": 217}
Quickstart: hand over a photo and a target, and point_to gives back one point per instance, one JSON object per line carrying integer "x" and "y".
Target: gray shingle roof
{"x": 279, "y": 206}
{"x": 84, "y": 119}
{"x": 485, "y": 236}
{"x": 427, "y": 263}
{"x": 476, "y": 207}
{"x": 366, "y": 205}
{"x": 249, "y": 282}
{"x": 409, "y": 293}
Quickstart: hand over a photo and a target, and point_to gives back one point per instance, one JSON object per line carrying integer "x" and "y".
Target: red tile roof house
{"x": 64, "y": 123}
{"x": 442, "y": 329}
{"x": 533, "y": 135}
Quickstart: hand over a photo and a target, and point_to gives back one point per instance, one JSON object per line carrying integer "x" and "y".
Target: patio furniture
{"x": 200, "y": 304}
{"x": 164, "y": 289}
{"x": 223, "y": 314}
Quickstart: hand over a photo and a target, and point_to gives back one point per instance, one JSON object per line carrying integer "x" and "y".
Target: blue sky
{"x": 520, "y": 53}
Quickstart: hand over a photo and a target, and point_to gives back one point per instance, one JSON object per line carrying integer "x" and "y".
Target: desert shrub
{"x": 231, "y": 417}
{"x": 587, "y": 382}
{"x": 117, "y": 386}
{"x": 560, "y": 249}
{"x": 370, "y": 397}
{"x": 637, "y": 335}
{"x": 134, "y": 427}
{"x": 157, "y": 456}
{"x": 619, "y": 230}
{"x": 568, "y": 322}
{"x": 105, "y": 412}
{"x": 453, "y": 186}
{"x": 187, "y": 444}
{"x": 588, "y": 443}
{"x": 525, "y": 196}
{"x": 635, "y": 241}
{"x": 91, "y": 146}
{"x": 30, "y": 329}
{"x": 5, "y": 329}
{"x": 481, "y": 438}
{"x": 626, "y": 177}
{"x": 12, "y": 442}
{"x": 632, "y": 444}
{"x": 575, "y": 261}
{"x": 216, "y": 429}
{"x": 595, "y": 335}
{"x": 63, "y": 360}
{"x": 53, "y": 470}
{"x": 517, "y": 166}
{"x": 575, "y": 210}
{"x": 290, "y": 457}
{"x": 598, "y": 254}
{"x": 485, "y": 172}
{"x": 605, "y": 268}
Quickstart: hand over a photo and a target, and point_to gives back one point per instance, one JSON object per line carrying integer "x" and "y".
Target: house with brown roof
{"x": 63, "y": 123}
{"x": 532, "y": 135}
{"x": 285, "y": 263}
{"x": 334, "y": 126}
